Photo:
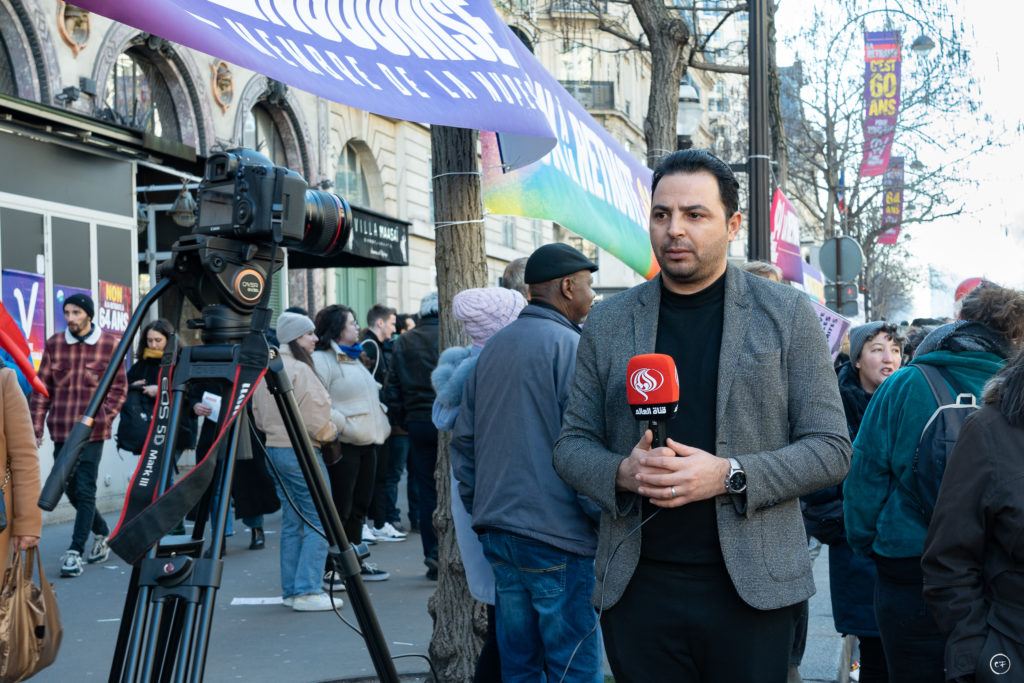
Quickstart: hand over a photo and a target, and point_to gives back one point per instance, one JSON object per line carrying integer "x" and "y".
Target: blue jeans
{"x": 399, "y": 447}
{"x": 543, "y": 611}
{"x": 303, "y": 550}
{"x": 81, "y": 491}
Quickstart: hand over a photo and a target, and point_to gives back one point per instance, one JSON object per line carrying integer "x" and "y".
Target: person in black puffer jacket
{"x": 875, "y": 353}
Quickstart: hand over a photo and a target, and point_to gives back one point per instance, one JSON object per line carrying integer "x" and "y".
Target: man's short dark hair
{"x": 695, "y": 161}
{"x": 379, "y": 312}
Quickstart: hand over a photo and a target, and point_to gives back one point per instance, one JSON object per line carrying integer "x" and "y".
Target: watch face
{"x": 737, "y": 481}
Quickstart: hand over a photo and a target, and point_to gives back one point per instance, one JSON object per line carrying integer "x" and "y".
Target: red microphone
{"x": 652, "y": 389}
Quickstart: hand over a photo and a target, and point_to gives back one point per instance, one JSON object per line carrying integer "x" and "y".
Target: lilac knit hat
{"x": 485, "y": 310}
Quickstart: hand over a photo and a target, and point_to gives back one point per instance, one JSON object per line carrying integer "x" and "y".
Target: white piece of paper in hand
{"x": 213, "y": 402}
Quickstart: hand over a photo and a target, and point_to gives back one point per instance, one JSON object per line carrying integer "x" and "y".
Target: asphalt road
{"x": 268, "y": 642}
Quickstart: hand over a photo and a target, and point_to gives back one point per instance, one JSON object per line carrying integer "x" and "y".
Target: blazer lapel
{"x": 736, "y": 318}
{"x": 645, "y": 316}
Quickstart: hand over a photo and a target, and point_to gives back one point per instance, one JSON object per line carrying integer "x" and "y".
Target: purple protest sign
{"x": 892, "y": 216}
{"x": 881, "y": 99}
{"x": 785, "y": 239}
{"x": 447, "y": 62}
{"x": 834, "y": 326}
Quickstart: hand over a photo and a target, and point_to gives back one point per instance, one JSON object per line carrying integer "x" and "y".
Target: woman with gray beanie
{"x": 303, "y": 550}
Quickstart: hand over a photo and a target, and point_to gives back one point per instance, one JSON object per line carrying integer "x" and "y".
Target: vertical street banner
{"x": 447, "y": 62}
{"x": 114, "y": 308}
{"x": 587, "y": 183}
{"x": 881, "y": 99}
{"x": 24, "y": 300}
{"x": 60, "y": 295}
{"x": 785, "y": 240}
{"x": 892, "y": 213}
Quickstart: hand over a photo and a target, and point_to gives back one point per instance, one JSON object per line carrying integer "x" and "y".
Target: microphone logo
{"x": 646, "y": 380}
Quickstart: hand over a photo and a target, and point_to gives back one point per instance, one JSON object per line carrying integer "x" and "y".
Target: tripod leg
{"x": 280, "y": 386}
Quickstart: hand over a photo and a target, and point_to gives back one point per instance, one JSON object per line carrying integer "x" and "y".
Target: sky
{"x": 988, "y": 239}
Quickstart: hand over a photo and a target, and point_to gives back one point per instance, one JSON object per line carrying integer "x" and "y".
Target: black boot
{"x": 258, "y": 541}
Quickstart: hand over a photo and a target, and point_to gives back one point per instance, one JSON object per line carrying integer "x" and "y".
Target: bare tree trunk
{"x": 778, "y": 130}
{"x": 668, "y": 36}
{"x": 461, "y": 259}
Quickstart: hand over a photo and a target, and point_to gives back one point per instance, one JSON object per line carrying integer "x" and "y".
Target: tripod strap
{"x": 148, "y": 515}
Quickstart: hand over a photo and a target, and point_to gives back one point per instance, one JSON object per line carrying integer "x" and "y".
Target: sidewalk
{"x": 267, "y": 642}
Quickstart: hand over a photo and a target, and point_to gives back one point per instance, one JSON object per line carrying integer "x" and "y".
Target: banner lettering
{"x": 881, "y": 99}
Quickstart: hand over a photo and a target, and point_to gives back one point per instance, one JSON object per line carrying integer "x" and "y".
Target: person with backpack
{"x": 875, "y": 354}
{"x": 883, "y": 509}
{"x": 973, "y": 557}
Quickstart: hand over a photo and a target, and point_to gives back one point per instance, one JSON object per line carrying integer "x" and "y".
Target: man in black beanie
{"x": 72, "y": 364}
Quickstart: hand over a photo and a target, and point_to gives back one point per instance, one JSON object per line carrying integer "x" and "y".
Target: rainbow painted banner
{"x": 881, "y": 99}
{"x": 588, "y": 183}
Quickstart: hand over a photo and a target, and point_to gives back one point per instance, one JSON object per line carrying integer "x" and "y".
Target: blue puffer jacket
{"x": 882, "y": 515}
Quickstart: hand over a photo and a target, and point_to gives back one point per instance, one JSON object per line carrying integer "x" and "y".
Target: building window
{"x": 8, "y": 85}
{"x": 350, "y": 181}
{"x": 260, "y": 132}
{"x": 138, "y": 96}
{"x": 508, "y": 231}
{"x": 537, "y": 232}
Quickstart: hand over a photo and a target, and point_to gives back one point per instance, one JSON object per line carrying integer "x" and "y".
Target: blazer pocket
{"x": 784, "y": 542}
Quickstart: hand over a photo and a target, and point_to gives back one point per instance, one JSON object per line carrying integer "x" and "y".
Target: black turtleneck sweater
{"x": 689, "y": 330}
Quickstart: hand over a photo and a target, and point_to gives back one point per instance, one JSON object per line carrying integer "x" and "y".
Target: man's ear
{"x": 568, "y": 286}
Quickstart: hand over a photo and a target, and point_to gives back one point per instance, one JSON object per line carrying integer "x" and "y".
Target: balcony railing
{"x": 592, "y": 94}
{"x": 591, "y": 6}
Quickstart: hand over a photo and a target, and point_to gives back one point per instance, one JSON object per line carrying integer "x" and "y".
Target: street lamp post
{"x": 758, "y": 160}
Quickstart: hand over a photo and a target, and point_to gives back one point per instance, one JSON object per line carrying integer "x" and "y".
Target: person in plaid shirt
{"x": 73, "y": 362}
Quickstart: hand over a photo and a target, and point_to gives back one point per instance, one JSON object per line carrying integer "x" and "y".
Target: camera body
{"x": 245, "y": 196}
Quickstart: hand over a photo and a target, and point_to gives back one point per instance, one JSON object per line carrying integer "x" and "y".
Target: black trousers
{"x": 352, "y": 487}
{"x": 687, "y": 624}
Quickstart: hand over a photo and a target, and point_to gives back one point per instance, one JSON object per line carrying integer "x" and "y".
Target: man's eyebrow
{"x": 692, "y": 207}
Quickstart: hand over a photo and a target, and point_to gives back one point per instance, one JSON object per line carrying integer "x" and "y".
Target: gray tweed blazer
{"x": 778, "y": 413}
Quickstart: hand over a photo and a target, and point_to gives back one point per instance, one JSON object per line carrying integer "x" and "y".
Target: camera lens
{"x": 328, "y": 224}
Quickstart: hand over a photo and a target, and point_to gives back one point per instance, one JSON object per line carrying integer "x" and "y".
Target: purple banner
{"x": 892, "y": 186}
{"x": 447, "y": 62}
{"x": 23, "y": 299}
{"x": 881, "y": 98}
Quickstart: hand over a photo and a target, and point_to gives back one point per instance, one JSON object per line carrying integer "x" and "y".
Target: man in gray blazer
{"x": 703, "y": 590}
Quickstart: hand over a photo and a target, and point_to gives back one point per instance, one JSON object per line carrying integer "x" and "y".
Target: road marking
{"x": 256, "y": 601}
{"x": 106, "y": 620}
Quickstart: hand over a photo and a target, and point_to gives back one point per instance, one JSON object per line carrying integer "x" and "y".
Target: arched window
{"x": 8, "y": 86}
{"x": 350, "y": 182}
{"x": 260, "y": 132}
{"x": 138, "y": 96}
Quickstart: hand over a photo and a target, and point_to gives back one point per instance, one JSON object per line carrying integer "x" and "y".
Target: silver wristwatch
{"x": 736, "y": 480}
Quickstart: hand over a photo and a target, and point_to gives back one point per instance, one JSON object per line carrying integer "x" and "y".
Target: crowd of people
{"x": 687, "y": 560}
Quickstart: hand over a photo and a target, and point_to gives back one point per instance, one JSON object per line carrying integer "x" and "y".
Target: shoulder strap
{"x": 940, "y": 390}
{"x": 376, "y": 363}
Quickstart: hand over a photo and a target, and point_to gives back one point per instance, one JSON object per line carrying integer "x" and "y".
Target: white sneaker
{"x": 388, "y": 534}
{"x": 315, "y": 602}
{"x": 71, "y": 564}
{"x": 287, "y": 602}
{"x": 368, "y": 536}
{"x": 99, "y": 551}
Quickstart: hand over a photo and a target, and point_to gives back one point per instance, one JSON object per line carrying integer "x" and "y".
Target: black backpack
{"x": 939, "y": 434}
{"x": 136, "y": 413}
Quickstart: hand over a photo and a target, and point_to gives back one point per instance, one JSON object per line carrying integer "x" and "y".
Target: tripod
{"x": 168, "y": 610}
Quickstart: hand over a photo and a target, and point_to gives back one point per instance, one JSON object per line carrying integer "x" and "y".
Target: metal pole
{"x": 759, "y": 229}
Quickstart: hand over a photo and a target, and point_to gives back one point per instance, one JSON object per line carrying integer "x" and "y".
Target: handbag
{"x": 133, "y": 427}
{"x": 331, "y": 452}
{"x": 30, "y": 628}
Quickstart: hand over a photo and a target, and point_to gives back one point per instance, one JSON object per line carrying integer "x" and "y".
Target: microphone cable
{"x": 600, "y": 600}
